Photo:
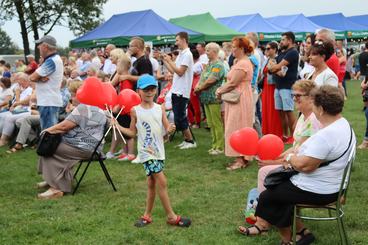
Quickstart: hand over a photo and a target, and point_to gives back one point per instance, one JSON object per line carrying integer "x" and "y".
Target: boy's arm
{"x": 169, "y": 127}
{"x": 132, "y": 130}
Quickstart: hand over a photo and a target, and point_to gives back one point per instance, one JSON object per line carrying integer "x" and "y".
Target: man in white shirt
{"x": 201, "y": 48}
{"x": 108, "y": 67}
{"x": 48, "y": 78}
{"x": 182, "y": 84}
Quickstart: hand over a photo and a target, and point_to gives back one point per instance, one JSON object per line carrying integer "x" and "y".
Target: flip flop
{"x": 181, "y": 221}
{"x": 305, "y": 238}
{"x": 143, "y": 221}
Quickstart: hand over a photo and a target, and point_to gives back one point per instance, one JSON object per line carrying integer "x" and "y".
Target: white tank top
{"x": 150, "y": 133}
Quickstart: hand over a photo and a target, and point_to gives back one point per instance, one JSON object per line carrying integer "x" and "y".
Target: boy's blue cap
{"x": 146, "y": 80}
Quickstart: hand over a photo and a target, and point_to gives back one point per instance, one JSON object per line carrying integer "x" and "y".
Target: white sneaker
{"x": 216, "y": 152}
{"x": 180, "y": 145}
{"x": 188, "y": 145}
{"x": 110, "y": 155}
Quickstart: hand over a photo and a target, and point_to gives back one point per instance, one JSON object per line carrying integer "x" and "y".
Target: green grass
{"x": 199, "y": 187}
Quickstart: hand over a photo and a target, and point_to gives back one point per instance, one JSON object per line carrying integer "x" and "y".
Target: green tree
{"x": 6, "y": 44}
{"x": 37, "y": 16}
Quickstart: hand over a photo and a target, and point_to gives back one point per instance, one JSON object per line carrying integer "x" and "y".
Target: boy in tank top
{"x": 149, "y": 124}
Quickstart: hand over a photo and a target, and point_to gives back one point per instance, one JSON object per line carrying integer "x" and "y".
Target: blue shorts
{"x": 153, "y": 166}
{"x": 179, "y": 105}
{"x": 284, "y": 100}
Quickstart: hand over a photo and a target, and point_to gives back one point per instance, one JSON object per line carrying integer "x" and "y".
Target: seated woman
{"x": 306, "y": 126}
{"x": 81, "y": 130}
{"x": 19, "y": 108}
{"x": 6, "y": 94}
{"x": 313, "y": 185}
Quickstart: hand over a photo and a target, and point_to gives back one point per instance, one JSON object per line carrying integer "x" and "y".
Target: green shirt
{"x": 215, "y": 70}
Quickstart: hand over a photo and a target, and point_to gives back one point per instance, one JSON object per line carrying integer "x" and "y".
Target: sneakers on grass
{"x": 110, "y": 155}
{"x": 188, "y": 145}
{"x": 126, "y": 157}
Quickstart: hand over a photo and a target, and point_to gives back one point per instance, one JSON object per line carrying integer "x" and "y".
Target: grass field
{"x": 199, "y": 187}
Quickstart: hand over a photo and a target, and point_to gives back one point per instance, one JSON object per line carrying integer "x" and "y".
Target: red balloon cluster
{"x": 246, "y": 142}
{"x": 96, "y": 93}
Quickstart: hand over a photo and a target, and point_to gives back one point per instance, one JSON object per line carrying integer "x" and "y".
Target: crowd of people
{"x": 224, "y": 88}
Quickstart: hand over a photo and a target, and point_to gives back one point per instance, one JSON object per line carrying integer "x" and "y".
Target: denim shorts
{"x": 284, "y": 100}
{"x": 153, "y": 166}
{"x": 179, "y": 105}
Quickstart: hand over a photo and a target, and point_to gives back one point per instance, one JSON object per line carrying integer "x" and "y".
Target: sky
{"x": 218, "y": 8}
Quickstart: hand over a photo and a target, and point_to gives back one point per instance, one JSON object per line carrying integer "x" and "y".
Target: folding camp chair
{"x": 335, "y": 209}
{"x": 96, "y": 156}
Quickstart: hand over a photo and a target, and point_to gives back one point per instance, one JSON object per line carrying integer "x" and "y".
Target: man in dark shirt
{"x": 363, "y": 61}
{"x": 285, "y": 74}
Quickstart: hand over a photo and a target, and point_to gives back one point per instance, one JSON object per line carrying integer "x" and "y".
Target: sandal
{"x": 286, "y": 243}
{"x": 305, "y": 238}
{"x": 15, "y": 148}
{"x": 181, "y": 221}
{"x": 143, "y": 221}
{"x": 246, "y": 230}
{"x": 237, "y": 165}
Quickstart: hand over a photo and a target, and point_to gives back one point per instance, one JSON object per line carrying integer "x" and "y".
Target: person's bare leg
{"x": 187, "y": 134}
{"x": 4, "y": 140}
{"x": 285, "y": 234}
{"x": 130, "y": 146}
{"x": 151, "y": 193}
{"x": 161, "y": 181}
{"x": 114, "y": 143}
{"x": 262, "y": 224}
{"x": 291, "y": 121}
{"x": 283, "y": 122}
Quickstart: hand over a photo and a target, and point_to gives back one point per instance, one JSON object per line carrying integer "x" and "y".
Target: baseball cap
{"x": 146, "y": 80}
{"x": 50, "y": 40}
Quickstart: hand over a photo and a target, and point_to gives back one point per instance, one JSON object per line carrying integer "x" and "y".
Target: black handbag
{"x": 48, "y": 144}
{"x": 280, "y": 175}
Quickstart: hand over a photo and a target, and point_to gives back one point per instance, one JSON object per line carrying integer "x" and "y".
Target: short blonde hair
{"x": 117, "y": 53}
{"x": 74, "y": 86}
{"x": 304, "y": 85}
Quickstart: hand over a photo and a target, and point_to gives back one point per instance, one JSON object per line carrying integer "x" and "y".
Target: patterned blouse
{"x": 215, "y": 70}
{"x": 90, "y": 122}
{"x": 305, "y": 127}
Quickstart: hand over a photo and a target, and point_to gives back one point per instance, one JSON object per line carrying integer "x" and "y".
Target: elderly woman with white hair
{"x": 19, "y": 108}
{"x": 212, "y": 77}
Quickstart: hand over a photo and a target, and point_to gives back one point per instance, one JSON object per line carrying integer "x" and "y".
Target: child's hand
{"x": 171, "y": 128}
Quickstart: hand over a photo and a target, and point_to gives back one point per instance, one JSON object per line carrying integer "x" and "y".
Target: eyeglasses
{"x": 298, "y": 96}
{"x": 268, "y": 48}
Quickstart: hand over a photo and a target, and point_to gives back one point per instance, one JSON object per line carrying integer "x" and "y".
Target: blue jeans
{"x": 48, "y": 116}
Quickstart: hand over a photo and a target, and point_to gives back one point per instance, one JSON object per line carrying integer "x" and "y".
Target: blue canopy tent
{"x": 120, "y": 28}
{"x": 297, "y": 23}
{"x": 253, "y": 23}
{"x": 362, "y": 20}
{"x": 339, "y": 22}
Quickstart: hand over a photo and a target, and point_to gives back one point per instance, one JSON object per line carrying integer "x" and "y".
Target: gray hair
{"x": 330, "y": 35}
{"x": 253, "y": 37}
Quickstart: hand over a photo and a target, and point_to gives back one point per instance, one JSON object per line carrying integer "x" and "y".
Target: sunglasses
{"x": 298, "y": 96}
{"x": 268, "y": 48}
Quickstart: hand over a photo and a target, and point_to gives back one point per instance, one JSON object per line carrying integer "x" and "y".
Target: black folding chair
{"x": 96, "y": 156}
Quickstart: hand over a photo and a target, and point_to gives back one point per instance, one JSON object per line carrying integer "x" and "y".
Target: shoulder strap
{"x": 327, "y": 163}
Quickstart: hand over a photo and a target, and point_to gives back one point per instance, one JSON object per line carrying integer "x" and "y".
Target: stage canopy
{"x": 208, "y": 26}
{"x": 119, "y": 29}
{"x": 253, "y": 23}
{"x": 339, "y": 22}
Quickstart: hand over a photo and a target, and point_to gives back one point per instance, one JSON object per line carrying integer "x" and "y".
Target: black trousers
{"x": 276, "y": 205}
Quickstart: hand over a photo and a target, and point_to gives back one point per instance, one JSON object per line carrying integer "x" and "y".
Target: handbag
{"x": 232, "y": 97}
{"x": 280, "y": 175}
{"x": 48, "y": 144}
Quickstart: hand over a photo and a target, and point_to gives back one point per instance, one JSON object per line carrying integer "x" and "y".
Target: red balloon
{"x": 270, "y": 147}
{"x": 108, "y": 95}
{"x": 89, "y": 92}
{"x": 128, "y": 98}
{"x": 245, "y": 141}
